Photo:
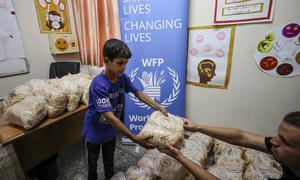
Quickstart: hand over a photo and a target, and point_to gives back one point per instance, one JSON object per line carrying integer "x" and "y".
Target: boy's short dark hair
{"x": 293, "y": 118}
{"x": 114, "y": 48}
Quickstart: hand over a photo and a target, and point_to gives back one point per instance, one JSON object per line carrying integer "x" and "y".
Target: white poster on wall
{"x": 12, "y": 54}
{"x": 243, "y": 11}
{"x": 210, "y": 55}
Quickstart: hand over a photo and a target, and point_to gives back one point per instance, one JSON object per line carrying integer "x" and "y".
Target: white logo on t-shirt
{"x": 103, "y": 102}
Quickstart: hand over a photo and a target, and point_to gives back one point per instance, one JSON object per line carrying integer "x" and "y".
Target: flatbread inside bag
{"x": 163, "y": 130}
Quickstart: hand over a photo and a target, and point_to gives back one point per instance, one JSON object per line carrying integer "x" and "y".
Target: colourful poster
{"x": 243, "y": 11}
{"x": 278, "y": 51}
{"x": 209, "y": 56}
{"x": 53, "y": 16}
{"x": 158, "y": 41}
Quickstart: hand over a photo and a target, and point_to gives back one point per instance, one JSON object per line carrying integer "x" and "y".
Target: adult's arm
{"x": 230, "y": 135}
{"x": 192, "y": 167}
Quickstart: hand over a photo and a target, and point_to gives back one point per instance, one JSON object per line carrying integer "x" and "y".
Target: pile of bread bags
{"x": 221, "y": 159}
{"x": 28, "y": 104}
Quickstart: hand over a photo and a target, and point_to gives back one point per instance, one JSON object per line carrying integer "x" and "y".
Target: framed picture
{"x": 243, "y": 11}
{"x": 53, "y": 16}
{"x": 210, "y": 55}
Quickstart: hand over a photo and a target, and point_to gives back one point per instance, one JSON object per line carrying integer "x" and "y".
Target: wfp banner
{"x": 156, "y": 33}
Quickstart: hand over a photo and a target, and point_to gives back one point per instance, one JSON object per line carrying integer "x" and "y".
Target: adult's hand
{"x": 170, "y": 150}
{"x": 189, "y": 125}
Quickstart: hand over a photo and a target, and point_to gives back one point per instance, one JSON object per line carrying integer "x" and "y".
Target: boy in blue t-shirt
{"x": 106, "y": 99}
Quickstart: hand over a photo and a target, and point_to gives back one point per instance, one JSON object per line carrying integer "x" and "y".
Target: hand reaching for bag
{"x": 144, "y": 141}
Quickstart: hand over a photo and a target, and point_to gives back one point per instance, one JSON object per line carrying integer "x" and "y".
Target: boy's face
{"x": 116, "y": 66}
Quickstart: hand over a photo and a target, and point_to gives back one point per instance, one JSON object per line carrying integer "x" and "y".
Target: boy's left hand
{"x": 164, "y": 111}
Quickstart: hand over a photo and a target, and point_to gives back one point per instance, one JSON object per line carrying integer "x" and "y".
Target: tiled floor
{"x": 71, "y": 164}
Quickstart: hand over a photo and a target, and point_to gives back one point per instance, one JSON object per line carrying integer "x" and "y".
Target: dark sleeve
{"x": 268, "y": 143}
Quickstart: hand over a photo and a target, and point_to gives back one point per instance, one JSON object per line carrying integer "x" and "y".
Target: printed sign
{"x": 157, "y": 39}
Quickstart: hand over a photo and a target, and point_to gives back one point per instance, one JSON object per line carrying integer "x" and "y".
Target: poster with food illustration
{"x": 209, "y": 56}
{"x": 53, "y": 16}
{"x": 278, "y": 51}
{"x": 243, "y": 11}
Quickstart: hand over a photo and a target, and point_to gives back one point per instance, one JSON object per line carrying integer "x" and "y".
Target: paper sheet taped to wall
{"x": 12, "y": 54}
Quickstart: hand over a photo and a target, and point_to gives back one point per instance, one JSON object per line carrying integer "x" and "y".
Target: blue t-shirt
{"x": 104, "y": 96}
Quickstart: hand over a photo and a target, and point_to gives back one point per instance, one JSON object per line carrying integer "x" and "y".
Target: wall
{"x": 36, "y": 46}
{"x": 254, "y": 101}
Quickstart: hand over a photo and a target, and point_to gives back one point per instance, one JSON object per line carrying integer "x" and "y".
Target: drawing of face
{"x": 61, "y": 44}
{"x": 297, "y": 58}
{"x": 206, "y": 70}
{"x": 55, "y": 20}
{"x": 270, "y": 37}
{"x": 291, "y": 30}
{"x": 284, "y": 69}
{"x": 265, "y": 46}
{"x": 268, "y": 63}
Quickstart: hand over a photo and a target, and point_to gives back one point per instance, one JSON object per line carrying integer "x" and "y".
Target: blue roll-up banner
{"x": 156, "y": 33}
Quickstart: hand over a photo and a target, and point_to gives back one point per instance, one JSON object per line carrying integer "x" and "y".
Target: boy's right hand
{"x": 143, "y": 141}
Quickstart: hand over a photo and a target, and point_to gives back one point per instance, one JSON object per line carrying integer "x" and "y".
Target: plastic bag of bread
{"x": 225, "y": 174}
{"x": 163, "y": 129}
{"x": 73, "y": 91}
{"x": 229, "y": 156}
{"x": 261, "y": 166}
{"x": 38, "y": 86}
{"x": 135, "y": 173}
{"x": 168, "y": 168}
{"x": 75, "y": 77}
{"x": 197, "y": 147}
{"x": 119, "y": 176}
{"x": 28, "y": 112}
{"x": 18, "y": 93}
{"x": 56, "y": 99}
{"x": 4, "y": 104}
{"x": 147, "y": 162}
{"x": 85, "y": 85}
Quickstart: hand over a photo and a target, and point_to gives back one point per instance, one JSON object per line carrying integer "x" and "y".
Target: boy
{"x": 106, "y": 99}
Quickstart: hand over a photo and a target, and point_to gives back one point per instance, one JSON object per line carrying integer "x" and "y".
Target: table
{"x": 27, "y": 148}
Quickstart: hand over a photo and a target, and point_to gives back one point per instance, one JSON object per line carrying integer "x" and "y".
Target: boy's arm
{"x": 230, "y": 135}
{"x": 194, "y": 168}
{"x": 146, "y": 99}
{"x": 116, "y": 123}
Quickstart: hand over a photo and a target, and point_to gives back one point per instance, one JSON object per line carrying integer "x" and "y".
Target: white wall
{"x": 36, "y": 46}
{"x": 254, "y": 101}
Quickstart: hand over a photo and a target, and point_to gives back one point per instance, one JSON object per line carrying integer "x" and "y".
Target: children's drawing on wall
{"x": 53, "y": 16}
{"x": 209, "y": 56}
{"x": 278, "y": 51}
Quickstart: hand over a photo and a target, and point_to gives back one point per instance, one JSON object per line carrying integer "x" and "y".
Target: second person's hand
{"x": 189, "y": 125}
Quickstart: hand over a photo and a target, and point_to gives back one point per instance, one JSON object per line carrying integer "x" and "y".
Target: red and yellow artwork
{"x": 53, "y": 16}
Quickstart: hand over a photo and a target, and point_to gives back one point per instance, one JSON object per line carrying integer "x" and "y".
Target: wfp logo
{"x": 152, "y": 84}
